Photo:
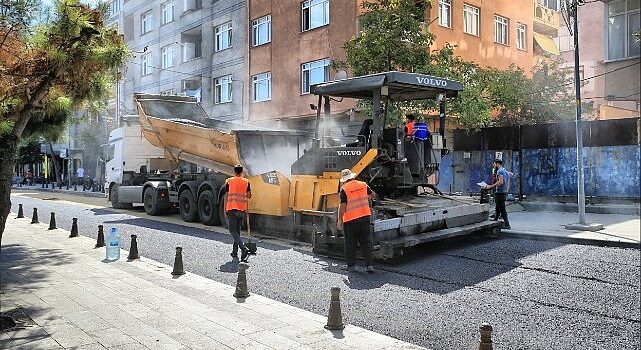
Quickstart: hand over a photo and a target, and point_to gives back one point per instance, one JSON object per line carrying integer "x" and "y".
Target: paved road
{"x": 536, "y": 295}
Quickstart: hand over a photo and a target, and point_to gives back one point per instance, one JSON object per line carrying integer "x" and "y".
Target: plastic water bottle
{"x": 113, "y": 245}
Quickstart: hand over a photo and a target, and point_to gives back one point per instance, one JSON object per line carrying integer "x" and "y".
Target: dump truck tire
{"x": 115, "y": 203}
{"x": 149, "y": 202}
{"x": 208, "y": 208}
{"x": 221, "y": 213}
{"x": 188, "y": 206}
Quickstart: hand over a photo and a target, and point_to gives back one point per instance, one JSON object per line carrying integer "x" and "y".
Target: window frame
{"x": 475, "y": 12}
{"x": 504, "y": 22}
{"x": 219, "y": 83}
{"x": 146, "y": 64}
{"x": 219, "y": 35}
{"x": 441, "y": 5}
{"x": 256, "y": 24}
{"x": 163, "y": 51}
{"x": 256, "y": 80}
{"x": 164, "y": 6}
{"x": 521, "y": 28}
{"x": 143, "y": 19}
{"x": 627, "y": 36}
{"x": 326, "y": 63}
{"x": 309, "y": 5}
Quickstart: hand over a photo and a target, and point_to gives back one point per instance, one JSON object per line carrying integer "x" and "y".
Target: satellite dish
{"x": 341, "y": 74}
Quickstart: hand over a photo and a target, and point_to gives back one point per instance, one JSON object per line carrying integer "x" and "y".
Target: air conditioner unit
{"x": 189, "y": 5}
{"x": 189, "y": 51}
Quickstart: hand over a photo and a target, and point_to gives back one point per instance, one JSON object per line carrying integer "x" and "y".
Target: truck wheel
{"x": 208, "y": 209}
{"x": 188, "y": 206}
{"x": 113, "y": 197}
{"x": 221, "y": 213}
{"x": 149, "y": 202}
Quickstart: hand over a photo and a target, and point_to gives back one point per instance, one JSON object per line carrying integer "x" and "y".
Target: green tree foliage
{"x": 393, "y": 38}
{"x": 48, "y": 71}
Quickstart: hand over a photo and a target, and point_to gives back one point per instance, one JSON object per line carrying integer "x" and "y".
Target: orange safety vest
{"x": 357, "y": 200}
{"x": 237, "y": 194}
{"x": 410, "y": 128}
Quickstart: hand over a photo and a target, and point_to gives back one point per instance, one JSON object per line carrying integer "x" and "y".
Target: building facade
{"x": 609, "y": 57}
{"x": 185, "y": 47}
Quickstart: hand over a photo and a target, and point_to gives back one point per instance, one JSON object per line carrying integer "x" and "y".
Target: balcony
{"x": 546, "y": 20}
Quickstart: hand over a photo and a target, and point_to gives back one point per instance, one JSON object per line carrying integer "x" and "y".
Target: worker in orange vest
{"x": 409, "y": 126}
{"x": 354, "y": 214}
{"x": 236, "y": 204}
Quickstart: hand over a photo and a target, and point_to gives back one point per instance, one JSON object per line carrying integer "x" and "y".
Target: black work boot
{"x": 244, "y": 254}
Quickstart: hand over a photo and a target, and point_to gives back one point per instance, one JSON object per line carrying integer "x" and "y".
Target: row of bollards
{"x": 334, "y": 317}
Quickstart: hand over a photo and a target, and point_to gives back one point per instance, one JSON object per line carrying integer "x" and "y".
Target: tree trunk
{"x": 56, "y": 168}
{"x": 7, "y": 163}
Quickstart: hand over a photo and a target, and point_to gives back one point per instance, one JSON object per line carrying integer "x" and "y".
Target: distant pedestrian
{"x": 80, "y": 175}
{"x": 502, "y": 186}
{"x": 238, "y": 193}
{"x": 354, "y": 216}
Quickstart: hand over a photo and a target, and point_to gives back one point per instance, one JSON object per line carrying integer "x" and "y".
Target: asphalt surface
{"x": 535, "y": 294}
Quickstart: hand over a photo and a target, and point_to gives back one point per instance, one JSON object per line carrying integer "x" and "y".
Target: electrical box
{"x": 437, "y": 141}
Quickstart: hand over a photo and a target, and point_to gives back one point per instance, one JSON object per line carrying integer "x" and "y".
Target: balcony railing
{"x": 546, "y": 15}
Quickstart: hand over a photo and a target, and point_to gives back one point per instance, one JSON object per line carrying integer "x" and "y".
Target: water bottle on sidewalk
{"x": 113, "y": 245}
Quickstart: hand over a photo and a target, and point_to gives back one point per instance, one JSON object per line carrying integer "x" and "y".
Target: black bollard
{"x": 34, "y": 217}
{"x": 241, "y": 281}
{"x": 52, "y": 221}
{"x": 335, "y": 317}
{"x": 133, "y": 249}
{"x": 178, "y": 263}
{"x": 485, "y": 343}
{"x": 100, "y": 242}
{"x": 20, "y": 212}
{"x": 74, "y": 228}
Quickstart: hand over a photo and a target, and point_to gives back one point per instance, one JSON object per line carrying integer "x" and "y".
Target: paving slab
{"x": 76, "y": 301}
{"x": 618, "y": 230}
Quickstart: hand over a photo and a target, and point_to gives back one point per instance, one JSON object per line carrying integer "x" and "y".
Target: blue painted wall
{"x": 610, "y": 171}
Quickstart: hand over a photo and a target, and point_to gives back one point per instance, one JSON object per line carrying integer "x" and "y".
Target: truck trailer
{"x": 294, "y": 176}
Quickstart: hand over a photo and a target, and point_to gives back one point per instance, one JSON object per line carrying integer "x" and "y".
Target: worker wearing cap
{"x": 236, "y": 204}
{"x": 354, "y": 213}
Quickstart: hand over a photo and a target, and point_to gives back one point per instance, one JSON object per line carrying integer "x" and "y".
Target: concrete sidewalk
{"x": 619, "y": 230}
{"x": 78, "y": 192}
{"x": 65, "y": 296}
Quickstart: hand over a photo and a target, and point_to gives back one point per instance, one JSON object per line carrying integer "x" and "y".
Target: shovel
{"x": 250, "y": 244}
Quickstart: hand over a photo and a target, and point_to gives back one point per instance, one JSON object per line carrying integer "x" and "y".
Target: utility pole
{"x": 582, "y": 224}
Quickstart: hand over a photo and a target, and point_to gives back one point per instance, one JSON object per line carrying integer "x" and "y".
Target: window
{"x": 521, "y": 36}
{"x": 262, "y": 87}
{"x": 445, "y": 13}
{"x": 471, "y": 21}
{"x": 262, "y": 30}
{"x": 315, "y": 13}
{"x": 623, "y": 22}
{"x": 167, "y": 10}
{"x": 501, "y": 30}
{"x": 551, "y": 4}
{"x": 314, "y": 73}
{"x": 167, "y": 56}
{"x": 147, "y": 22}
{"x": 147, "y": 64}
{"x": 114, "y": 8}
{"x": 222, "y": 89}
{"x": 223, "y": 36}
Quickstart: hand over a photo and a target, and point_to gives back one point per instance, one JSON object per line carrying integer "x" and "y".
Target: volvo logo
{"x": 433, "y": 82}
{"x": 349, "y": 153}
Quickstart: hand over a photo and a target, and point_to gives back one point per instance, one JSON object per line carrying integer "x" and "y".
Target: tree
{"x": 49, "y": 70}
{"x": 394, "y": 38}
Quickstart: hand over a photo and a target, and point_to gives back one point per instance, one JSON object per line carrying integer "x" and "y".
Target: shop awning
{"x": 546, "y": 43}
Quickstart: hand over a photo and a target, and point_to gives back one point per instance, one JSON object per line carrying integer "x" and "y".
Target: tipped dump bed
{"x": 180, "y": 126}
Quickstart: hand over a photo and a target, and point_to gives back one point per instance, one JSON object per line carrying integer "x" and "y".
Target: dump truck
{"x": 295, "y": 176}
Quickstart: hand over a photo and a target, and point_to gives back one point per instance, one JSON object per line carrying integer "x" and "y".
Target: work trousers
{"x": 236, "y": 218}
{"x": 501, "y": 212}
{"x": 358, "y": 231}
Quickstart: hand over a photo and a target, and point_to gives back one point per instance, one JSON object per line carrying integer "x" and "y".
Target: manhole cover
{"x": 16, "y": 318}
{"x": 50, "y": 199}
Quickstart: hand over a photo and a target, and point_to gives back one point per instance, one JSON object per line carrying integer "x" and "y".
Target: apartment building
{"x": 291, "y": 46}
{"x": 496, "y": 33}
{"x": 185, "y": 47}
{"x": 610, "y": 57}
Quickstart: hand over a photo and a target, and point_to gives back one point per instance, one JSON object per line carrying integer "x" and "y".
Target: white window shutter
{"x": 189, "y": 51}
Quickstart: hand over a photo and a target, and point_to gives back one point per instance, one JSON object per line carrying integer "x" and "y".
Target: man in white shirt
{"x": 80, "y": 175}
